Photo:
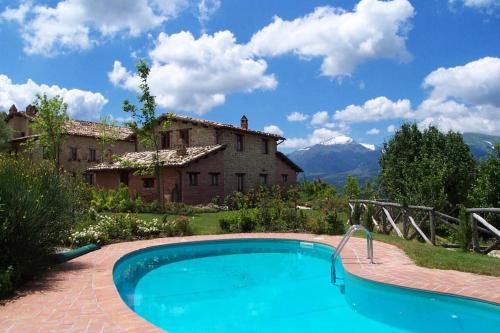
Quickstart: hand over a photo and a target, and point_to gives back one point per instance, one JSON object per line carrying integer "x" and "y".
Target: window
{"x": 239, "y": 142}
{"x": 284, "y": 178}
{"x": 263, "y": 178}
{"x": 89, "y": 178}
{"x": 184, "y": 135}
{"x": 73, "y": 154}
{"x": 148, "y": 182}
{"x": 124, "y": 177}
{"x": 193, "y": 178}
{"x": 165, "y": 140}
{"x": 265, "y": 146}
{"x": 92, "y": 155}
{"x": 240, "y": 178}
{"x": 214, "y": 178}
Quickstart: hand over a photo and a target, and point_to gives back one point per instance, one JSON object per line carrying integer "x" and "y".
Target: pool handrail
{"x": 343, "y": 242}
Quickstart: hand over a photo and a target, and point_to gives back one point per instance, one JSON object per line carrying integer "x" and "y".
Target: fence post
{"x": 475, "y": 236}
{"x": 432, "y": 226}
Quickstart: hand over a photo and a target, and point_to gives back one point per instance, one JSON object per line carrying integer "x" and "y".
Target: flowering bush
{"x": 102, "y": 228}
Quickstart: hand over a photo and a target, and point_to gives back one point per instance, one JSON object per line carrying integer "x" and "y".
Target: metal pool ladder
{"x": 343, "y": 242}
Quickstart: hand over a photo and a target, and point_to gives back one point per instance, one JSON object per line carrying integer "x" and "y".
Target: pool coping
{"x": 391, "y": 266}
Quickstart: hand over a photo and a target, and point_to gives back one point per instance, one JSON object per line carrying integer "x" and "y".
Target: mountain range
{"x": 334, "y": 159}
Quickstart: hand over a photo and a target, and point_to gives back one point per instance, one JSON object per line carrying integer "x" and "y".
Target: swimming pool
{"x": 264, "y": 285}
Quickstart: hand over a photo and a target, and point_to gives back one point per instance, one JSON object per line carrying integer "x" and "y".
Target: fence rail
{"x": 411, "y": 221}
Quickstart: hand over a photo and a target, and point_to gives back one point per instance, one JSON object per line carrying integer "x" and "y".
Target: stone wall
{"x": 251, "y": 161}
{"x": 198, "y": 135}
{"x": 283, "y": 168}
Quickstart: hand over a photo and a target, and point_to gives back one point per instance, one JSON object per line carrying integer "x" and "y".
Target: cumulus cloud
{"x": 379, "y": 108}
{"x": 391, "y": 128}
{"x": 297, "y": 116}
{"x": 373, "y": 131}
{"x": 319, "y": 135}
{"x": 81, "y": 103}
{"x": 195, "y": 75}
{"x": 343, "y": 39}
{"x": 464, "y": 98}
{"x": 207, "y": 8}
{"x": 319, "y": 118}
{"x": 80, "y": 24}
{"x": 273, "y": 129}
{"x": 487, "y": 6}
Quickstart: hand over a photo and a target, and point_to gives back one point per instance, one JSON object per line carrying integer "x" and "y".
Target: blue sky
{"x": 311, "y": 70}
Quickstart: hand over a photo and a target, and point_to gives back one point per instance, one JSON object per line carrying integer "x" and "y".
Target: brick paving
{"x": 80, "y": 296}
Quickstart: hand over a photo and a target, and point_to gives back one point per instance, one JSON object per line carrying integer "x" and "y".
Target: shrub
{"x": 356, "y": 214}
{"x": 225, "y": 224}
{"x": 317, "y": 225}
{"x": 180, "y": 226}
{"x": 333, "y": 225}
{"x": 367, "y": 218}
{"x": 246, "y": 222}
{"x": 38, "y": 205}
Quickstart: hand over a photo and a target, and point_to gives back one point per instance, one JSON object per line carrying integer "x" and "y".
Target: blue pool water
{"x": 279, "y": 286}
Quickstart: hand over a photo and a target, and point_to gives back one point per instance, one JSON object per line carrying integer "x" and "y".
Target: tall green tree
{"x": 426, "y": 167}
{"x": 5, "y": 133}
{"x": 49, "y": 125}
{"x": 108, "y": 135}
{"x": 146, "y": 123}
{"x": 351, "y": 188}
{"x": 486, "y": 189}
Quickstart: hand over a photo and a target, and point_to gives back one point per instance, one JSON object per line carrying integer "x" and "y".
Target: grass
{"x": 421, "y": 253}
{"x": 439, "y": 257}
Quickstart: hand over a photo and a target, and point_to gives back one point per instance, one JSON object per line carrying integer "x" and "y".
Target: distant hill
{"x": 480, "y": 144}
{"x": 333, "y": 160}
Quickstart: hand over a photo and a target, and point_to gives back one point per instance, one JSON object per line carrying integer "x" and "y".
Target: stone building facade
{"x": 81, "y": 148}
{"x": 201, "y": 159}
{"x": 204, "y": 159}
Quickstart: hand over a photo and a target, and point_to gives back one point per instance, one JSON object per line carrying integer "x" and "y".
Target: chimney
{"x": 244, "y": 122}
{"x": 12, "y": 109}
{"x": 31, "y": 110}
{"x": 181, "y": 149}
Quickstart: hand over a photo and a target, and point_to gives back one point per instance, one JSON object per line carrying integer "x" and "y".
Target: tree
{"x": 486, "y": 189}
{"x": 145, "y": 123}
{"x": 351, "y": 188}
{"x": 49, "y": 126}
{"x": 426, "y": 167}
{"x": 369, "y": 192}
{"x": 5, "y": 133}
{"x": 108, "y": 135}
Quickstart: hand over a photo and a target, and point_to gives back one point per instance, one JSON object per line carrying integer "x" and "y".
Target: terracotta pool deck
{"x": 80, "y": 296}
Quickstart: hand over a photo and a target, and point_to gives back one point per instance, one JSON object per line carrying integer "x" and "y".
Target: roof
{"x": 288, "y": 161}
{"x": 216, "y": 124}
{"x": 168, "y": 158}
{"x": 94, "y": 129}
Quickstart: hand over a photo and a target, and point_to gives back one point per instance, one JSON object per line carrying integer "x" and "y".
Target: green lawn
{"x": 423, "y": 254}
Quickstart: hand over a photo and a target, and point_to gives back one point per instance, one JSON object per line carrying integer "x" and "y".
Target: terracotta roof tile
{"x": 168, "y": 158}
{"x": 94, "y": 129}
{"x": 216, "y": 124}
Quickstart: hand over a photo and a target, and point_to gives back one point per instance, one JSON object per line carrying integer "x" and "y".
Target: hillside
{"x": 334, "y": 160}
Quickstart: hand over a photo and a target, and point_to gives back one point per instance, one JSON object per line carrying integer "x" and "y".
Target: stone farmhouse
{"x": 200, "y": 159}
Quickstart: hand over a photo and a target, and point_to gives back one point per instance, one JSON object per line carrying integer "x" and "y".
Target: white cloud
{"x": 464, "y": 98}
{"x": 81, "y": 103}
{"x": 319, "y": 118}
{"x": 318, "y": 136}
{"x": 379, "y": 108}
{"x": 207, "y": 8}
{"x": 16, "y": 14}
{"x": 477, "y": 82}
{"x": 273, "y": 129}
{"x": 195, "y": 75}
{"x": 344, "y": 39}
{"x": 80, "y": 24}
{"x": 373, "y": 131}
{"x": 297, "y": 116}
{"x": 487, "y": 6}
{"x": 391, "y": 128}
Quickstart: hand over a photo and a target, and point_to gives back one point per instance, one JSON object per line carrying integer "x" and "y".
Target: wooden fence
{"x": 410, "y": 221}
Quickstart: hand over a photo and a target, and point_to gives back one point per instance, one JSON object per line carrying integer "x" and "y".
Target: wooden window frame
{"x": 148, "y": 182}
{"x": 214, "y": 178}
{"x": 284, "y": 178}
{"x": 92, "y": 155}
{"x": 240, "y": 146}
{"x": 263, "y": 178}
{"x": 240, "y": 187}
{"x": 165, "y": 140}
{"x": 185, "y": 140}
{"x": 193, "y": 178}
{"x": 73, "y": 153}
{"x": 265, "y": 146}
